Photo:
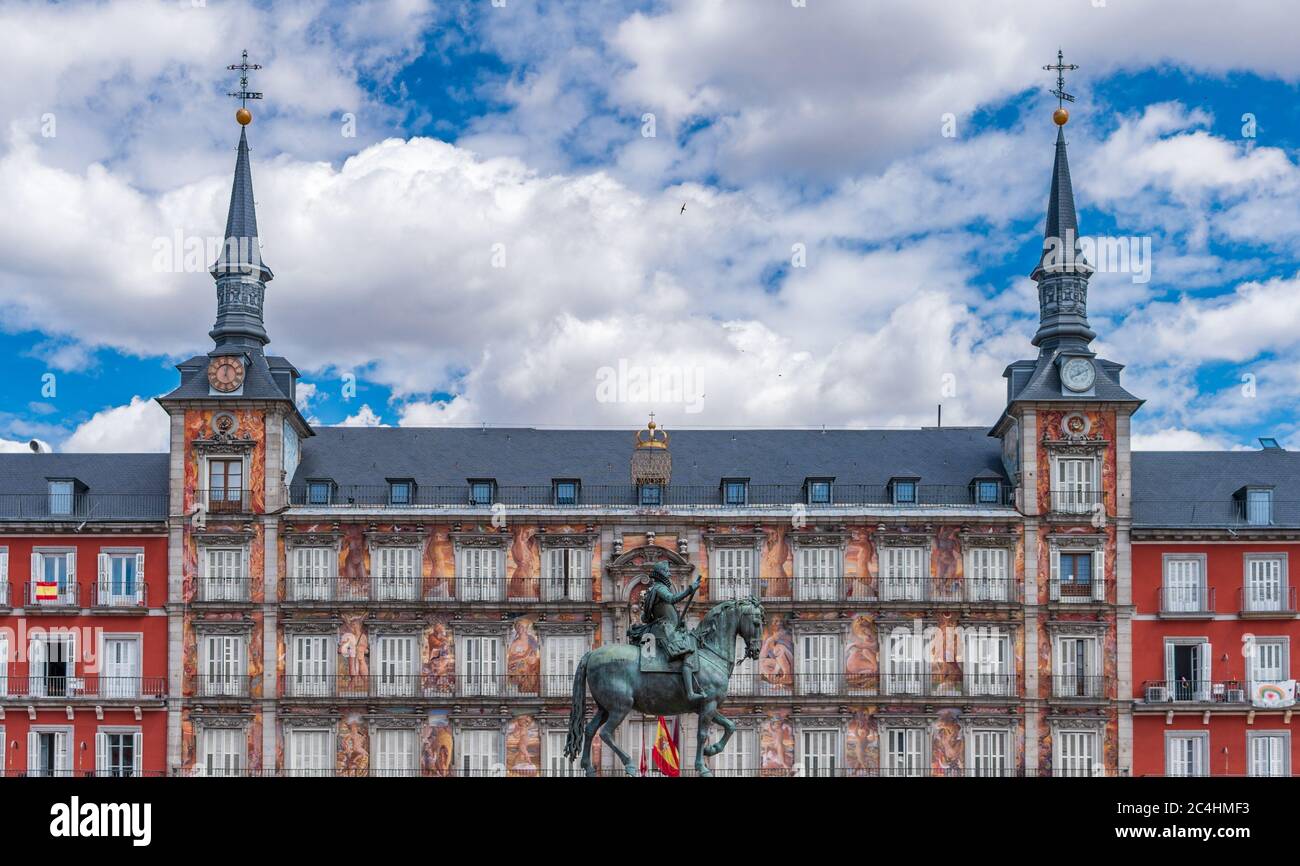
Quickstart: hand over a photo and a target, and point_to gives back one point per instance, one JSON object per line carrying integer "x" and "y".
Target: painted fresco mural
{"x": 523, "y": 657}
{"x": 776, "y": 744}
{"x": 776, "y": 656}
{"x": 523, "y": 746}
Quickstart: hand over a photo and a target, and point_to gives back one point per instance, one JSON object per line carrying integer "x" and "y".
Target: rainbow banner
{"x": 1273, "y": 695}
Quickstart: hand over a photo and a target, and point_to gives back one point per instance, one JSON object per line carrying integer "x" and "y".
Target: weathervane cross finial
{"x": 1060, "y": 68}
{"x": 244, "y": 94}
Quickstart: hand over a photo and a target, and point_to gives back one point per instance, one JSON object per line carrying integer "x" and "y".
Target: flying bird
{"x": 683, "y": 210}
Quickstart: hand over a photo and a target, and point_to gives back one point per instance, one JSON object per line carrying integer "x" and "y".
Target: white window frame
{"x": 904, "y": 676}
{"x": 904, "y": 572}
{"x": 1254, "y": 600}
{"x": 480, "y": 573}
{"x": 105, "y": 593}
{"x": 103, "y": 754}
{"x": 988, "y": 574}
{"x": 1281, "y": 763}
{"x": 740, "y": 758}
{"x": 396, "y": 572}
{"x": 561, "y": 654}
{"x": 820, "y": 662}
{"x": 67, "y": 593}
{"x": 1073, "y": 491}
{"x": 976, "y": 763}
{"x": 40, "y": 682}
{"x": 393, "y": 675}
{"x": 817, "y": 571}
{"x": 234, "y": 743}
{"x": 1098, "y": 578}
{"x": 116, "y": 685}
{"x": 913, "y": 760}
{"x": 554, "y": 762}
{"x": 731, "y": 573}
{"x": 479, "y": 673}
{"x": 63, "y": 757}
{"x": 1185, "y": 582}
{"x": 479, "y": 752}
{"x": 244, "y": 492}
{"x": 310, "y": 676}
{"x": 1070, "y": 760}
{"x": 1280, "y": 644}
{"x": 390, "y": 762}
{"x": 1067, "y": 682}
{"x": 988, "y": 665}
{"x": 230, "y": 580}
{"x": 312, "y": 573}
{"x": 300, "y": 761}
{"x": 821, "y": 736}
{"x": 226, "y": 676}
{"x": 1182, "y": 762}
{"x": 566, "y": 573}
{"x": 1198, "y": 690}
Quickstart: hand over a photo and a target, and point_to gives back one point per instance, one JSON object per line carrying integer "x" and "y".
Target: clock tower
{"x": 1065, "y": 437}
{"x": 235, "y": 434}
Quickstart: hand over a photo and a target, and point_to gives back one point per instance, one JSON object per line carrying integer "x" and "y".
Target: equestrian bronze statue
{"x": 666, "y": 669}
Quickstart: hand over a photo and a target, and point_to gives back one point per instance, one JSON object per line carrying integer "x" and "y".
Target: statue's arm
{"x": 678, "y": 596}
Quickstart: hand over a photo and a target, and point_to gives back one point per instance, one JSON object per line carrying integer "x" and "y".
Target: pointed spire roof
{"x": 241, "y": 251}
{"x": 1062, "y": 226}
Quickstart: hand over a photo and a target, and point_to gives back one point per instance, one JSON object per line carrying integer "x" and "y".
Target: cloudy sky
{"x": 474, "y": 209}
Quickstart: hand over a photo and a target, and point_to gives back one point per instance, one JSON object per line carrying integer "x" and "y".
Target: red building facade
{"x": 83, "y": 618}
{"x": 1215, "y": 624}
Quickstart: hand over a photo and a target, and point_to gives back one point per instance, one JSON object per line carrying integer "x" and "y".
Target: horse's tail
{"x": 578, "y": 714}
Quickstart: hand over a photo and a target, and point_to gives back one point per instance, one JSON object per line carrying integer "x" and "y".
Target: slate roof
{"x": 1195, "y": 488}
{"x": 117, "y": 486}
{"x": 259, "y": 381}
{"x": 1045, "y": 383}
{"x": 241, "y": 220}
{"x": 527, "y": 456}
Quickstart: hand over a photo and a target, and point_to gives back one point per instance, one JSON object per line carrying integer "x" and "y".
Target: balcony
{"x": 6, "y": 595}
{"x": 333, "y": 589}
{"x": 235, "y": 687}
{"x": 419, "y": 686}
{"x": 226, "y": 500}
{"x": 1161, "y": 694}
{"x": 1076, "y": 503}
{"x": 1079, "y": 688}
{"x": 37, "y": 596}
{"x": 214, "y": 589}
{"x": 48, "y": 507}
{"x": 1076, "y": 591}
{"x": 930, "y": 591}
{"x": 458, "y": 497}
{"x": 1186, "y": 602}
{"x": 1215, "y": 514}
{"x": 83, "y": 688}
{"x": 1267, "y": 602}
{"x": 107, "y": 596}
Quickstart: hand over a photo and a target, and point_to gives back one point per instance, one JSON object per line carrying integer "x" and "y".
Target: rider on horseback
{"x": 659, "y": 613}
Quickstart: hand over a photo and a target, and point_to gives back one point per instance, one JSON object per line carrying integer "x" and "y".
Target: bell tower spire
{"x": 239, "y": 271}
{"x": 1062, "y": 272}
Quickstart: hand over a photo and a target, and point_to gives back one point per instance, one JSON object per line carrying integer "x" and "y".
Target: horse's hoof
{"x": 591, "y": 772}
{"x": 632, "y": 771}
{"x": 703, "y": 772}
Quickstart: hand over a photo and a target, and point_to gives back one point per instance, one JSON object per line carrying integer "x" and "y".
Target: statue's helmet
{"x": 660, "y": 572}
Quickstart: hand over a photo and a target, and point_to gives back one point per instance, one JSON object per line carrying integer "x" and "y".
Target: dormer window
{"x": 988, "y": 492}
{"x": 650, "y": 494}
{"x": 62, "y": 493}
{"x": 401, "y": 491}
{"x": 320, "y": 492}
{"x": 903, "y": 490}
{"x": 819, "y": 490}
{"x": 482, "y": 491}
{"x": 565, "y": 491}
{"x": 735, "y": 491}
{"x": 1259, "y": 506}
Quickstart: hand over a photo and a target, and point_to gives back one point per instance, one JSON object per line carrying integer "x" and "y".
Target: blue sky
{"x": 500, "y": 234}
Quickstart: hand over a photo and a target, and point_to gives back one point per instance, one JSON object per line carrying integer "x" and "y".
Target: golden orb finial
{"x": 1060, "y": 117}
{"x": 244, "y": 116}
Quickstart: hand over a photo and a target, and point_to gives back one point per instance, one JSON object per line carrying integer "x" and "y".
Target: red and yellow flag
{"x": 665, "y": 750}
{"x": 47, "y": 591}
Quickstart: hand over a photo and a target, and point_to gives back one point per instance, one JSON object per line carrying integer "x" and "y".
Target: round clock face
{"x": 1078, "y": 374}
{"x": 225, "y": 374}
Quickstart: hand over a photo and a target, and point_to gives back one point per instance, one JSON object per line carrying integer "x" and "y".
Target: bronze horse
{"x": 619, "y": 686}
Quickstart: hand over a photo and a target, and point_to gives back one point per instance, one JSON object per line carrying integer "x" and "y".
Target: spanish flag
{"x": 665, "y": 750}
{"x": 47, "y": 591}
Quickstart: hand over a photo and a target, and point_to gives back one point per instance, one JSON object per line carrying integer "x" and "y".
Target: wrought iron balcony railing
{"x": 50, "y": 594}
{"x": 1186, "y": 601}
{"x": 882, "y": 589}
{"x": 1076, "y": 591}
{"x": 219, "y": 686}
{"x": 318, "y": 589}
{"x": 108, "y": 594}
{"x": 562, "y": 769}
{"x": 1263, "y": 601}
{"x": 1079, "y": 687}
{"x": 1216, "y": 513}
{"x": 222, "y": 588}
{"x": 1076, "y": 501}
{"x": 84, "y": 687}
{"x": 628, "y": 495}
{"x": 225, "y": 500}
{"x": 1162, "y": 692}
{"x": 79, "y": 507}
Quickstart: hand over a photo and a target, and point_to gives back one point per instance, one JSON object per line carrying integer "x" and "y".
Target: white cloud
{"x": 141, "y": 425}
{"x": 1173, "y": 439}
{"x": 365, "y": 417}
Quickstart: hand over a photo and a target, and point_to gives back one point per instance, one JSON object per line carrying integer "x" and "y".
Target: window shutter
{"x": 101, "y": 754}
{"x": 139, "y": 576}
{"x": 36, "y": 566}
{"x": 137, "y": 752}
{"x": 33, "y": 752}
{"x": 1203, "y": 687}
{"x": 4, "y": 568}
{"x": 1099, "y": 574}
{"x": 1169, "y": 664}
{"x": 72, "y": 568}
{"x": 103, "y": 573}
{"x": 1056, "y": 567}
